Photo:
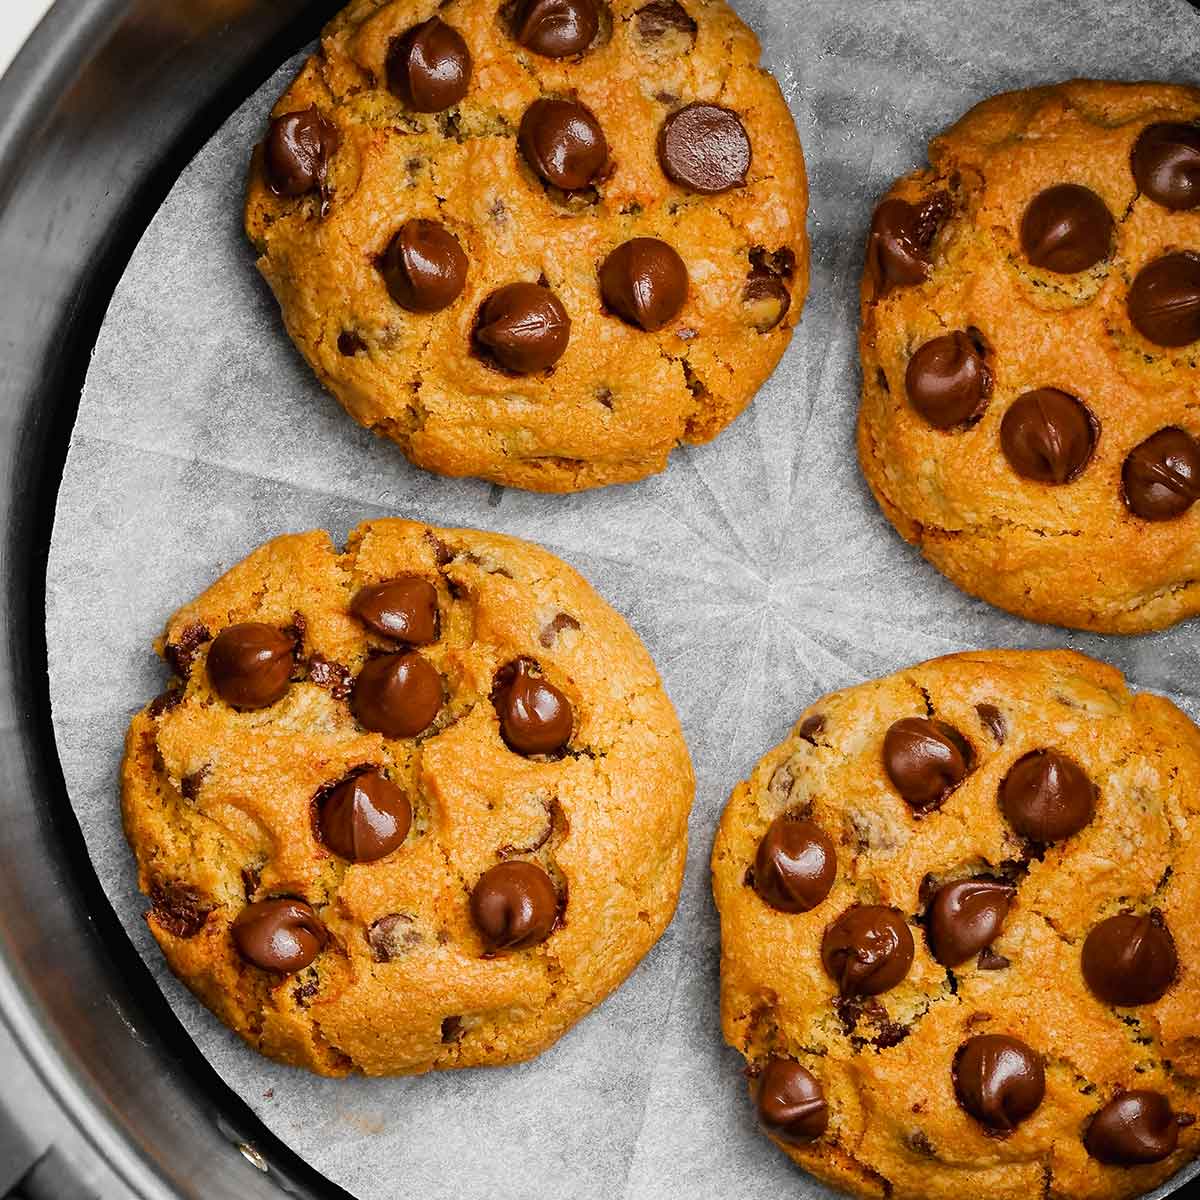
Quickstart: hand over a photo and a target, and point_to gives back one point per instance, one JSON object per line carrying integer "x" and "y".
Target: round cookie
{"x": 628, "y": 163}
{"x": 1030, "y": 347}
{"x": 933, "y": 1004}
{"x": 415, "y": 805}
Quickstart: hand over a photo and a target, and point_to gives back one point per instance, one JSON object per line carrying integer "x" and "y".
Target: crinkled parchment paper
{"x": 758, "y": 570}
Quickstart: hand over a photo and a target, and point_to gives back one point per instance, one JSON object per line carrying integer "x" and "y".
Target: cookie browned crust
{"x": 1071, "y": 553}
{"x": 620, "y": 398}
{"x": 884, "y": 1062}
{"x": 221, "y": 806}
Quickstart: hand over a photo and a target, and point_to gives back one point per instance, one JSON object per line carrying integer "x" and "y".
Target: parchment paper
{"x": 758, "y": 570}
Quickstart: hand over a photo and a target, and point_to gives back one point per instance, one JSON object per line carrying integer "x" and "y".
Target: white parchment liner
{"x": 758, "y": 570}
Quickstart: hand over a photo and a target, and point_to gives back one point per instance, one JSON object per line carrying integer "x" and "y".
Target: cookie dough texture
{"x": 895, "y": 1128}
{"x": 219, "y": 807}
{"x": 620, "y": 399}
{"x": 1072, "y": 554}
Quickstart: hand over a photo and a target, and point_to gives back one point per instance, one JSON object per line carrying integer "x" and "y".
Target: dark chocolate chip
{"x": 1166, "y": 164}
{"x": 535, "y": 717}
{"x": 556, "y": 28}
{"x": 404, "y": 608}
{"x": 1130, "y": 959}
{"x": 429, "y": 66}
{"x": 989, "y": 960}
{"x": 514, "y": 906}
{"x": 999, "y": 1080}
{"x": 1164, "y": 301}
{"x": 795, "y": 866}
{"x": 181, "y": 652}
{"x": 179, "y": 908}
{"x": 364, "y": 818}
{"x": 189, "y": 785}
{"x": 966, "y": 917}
{"x": 1047, "y": 796}
{"x": 867, "y": 950}
{"x": 335, "y": 678}
{"x": 993, "y": 718}
{"x": 424, "y": 267}
{"x": 391, "y": 936}
{"x": 452, "y": 1029}
{"x": 645, "y": 282}
{"x": 398, "y": 695}
{"x": 705, "y": 148}
{"x": 350, "y": 344}
{"x": 524, "y": 327}
{"x": 250, "y": 665}
{"x": 1132, "y": 1129}
{"x": 563, "y": 142}
{"x": 925, "y": 760}
{"x": 1048, "y": 436}
{"x": 297, "y": 151}
{"x": 810, "y": 727}
{"x": 661, "y": 18}
{"x": 1161, "y": 476}
{"x": 948, "y": 381}
{"x": 791, "y": 1103}
{"x": 900, "y": 241}
{"x": 281, "y": 935}
{"x": 1066, "y": 229}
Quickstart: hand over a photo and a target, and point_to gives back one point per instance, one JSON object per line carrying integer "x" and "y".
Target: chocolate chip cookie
{"x": 1030, "y": 348}
{"x": 418, "y": 804}
{"x": 542, "y": 242}
{"x": 960, "y": 933}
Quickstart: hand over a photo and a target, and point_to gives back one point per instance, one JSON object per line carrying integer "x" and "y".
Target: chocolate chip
{"x": 795, "y": 866}
{"x": 297, "y": 151}
{"x": 250, "y": 665}
{"x": 189, "y": 785}
{"x": 966, "y": 917}
{"x": 993, "y": 718}
{"x": 514, "y": 906}
{"x": 1166, "y": 164}
{"x": 925, "y": 760}
{"x": 364, "y": 817}
{"x": 398, "y": 695}
{"x": 350, "y": 344}
{"x": 452, "y": 1029}
{"x": 1048, "y": 436}
{"x": 556, "y": 28}
{"x": 867, "y": 950}
{"x": 335, "y": 678}
{"x": 281, "y": 935}
{"x": 535, "y": 717}
{"x": 164, "y": 702}
{"x": 442, "y": 554}
{"x": 424, "y": 267}
{"x": 1164, "y": 301}
{"x": 900, "y": 241}
{"x": 179, "y": 908}
{"x": 404, "y": 608}
{"x": 644, "y": 282}
{"x": 791, "y": 1103}
{"x": 767, "y": 297}
{"x": 1130, "y": 959}
{"x": 181, "y": 653}
{"x": 391, "y": 936}
{"x": 948, "y": 381}
{"x": 989, "y": 960}
{"x": 810, "y": 727}
{"x": 524, "y": 327}
{"x": 563, "y": 142}
{"x": 1161, "y": 476}
{"x": 550, "y": 632}
{"x": 999, "y": 1080}
{"x": 1047, "y": 796}
{"x": 662, "y": 18}
{"x": 1066, "y": 229}
{"x": 1133, "y": 1128}
{"x": 705, "y": 148}
{"x": 429, "y": 66}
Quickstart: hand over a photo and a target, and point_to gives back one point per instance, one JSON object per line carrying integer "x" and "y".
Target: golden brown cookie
{"x": 960, "y": 933}
{"x": 628, "y": 163}
{"x": 1030, "y": 346}
{"x": 415, "y": 805}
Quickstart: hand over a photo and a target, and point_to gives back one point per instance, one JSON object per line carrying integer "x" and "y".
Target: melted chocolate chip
{"x": 767, "y": 297}
{"x": 810, "y": 727}
{"x": 948, "y": 381}
{"x": 901, "y": 237}
{"x": 424, "y": 267}
{"x": 925, "y": 760}
{"x": 966, "y": 917}
{"x": 349, "y": 343}
{"x": 1133, "y": 1128}
{"x": 1161, "y": 476}
{"x": 795, "y": 866}
{"x": 1066, "y": 229}
{"x": 556, "y": 28}
{"x": 398, "y": 695}
{"x": 1048, "y": 436}
{"x": 1047, "y": 796}
{"x": 181, "y": 652}
{"x": 563, "y": 142}
{"x": 429, "y": 67}
{"x": 404, "y": 608}
{"x": 514, "y": 906}
{"x": 1164, "y": 301}
{"x": 391, "y": 936}
{"x": 999, "y": 1080}
{"x": 1166, "y": 164}
{"x": 452, "y": 1030}
{"x": 989, "y": 960}
{"x": 1130, "y": 959}
{"x": 867, "y": 950}
{"x": 535, "y": 717}
{"x": 297, "y": 151}
{"x": 364, "y": 818}
{"x": 705, "y": 148}
{"x": 550, "y": 632}
{"x": 791, "y": 1103}
{"x": 644, "y": 282}
{"x": 662, "y": 18}
{"x": 250, "y": 665}
{"x": 524, "y": 327}
{"x": 334, "y": 677}
{"x": 993, "y": 718}
{"x": 279, "y": 935}
{"x": 179, "y": 908}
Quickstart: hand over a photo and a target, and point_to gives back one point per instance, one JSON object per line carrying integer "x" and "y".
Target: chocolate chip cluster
{"x": 1047, "y": 435}
{"x": 1127, "y": 960}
